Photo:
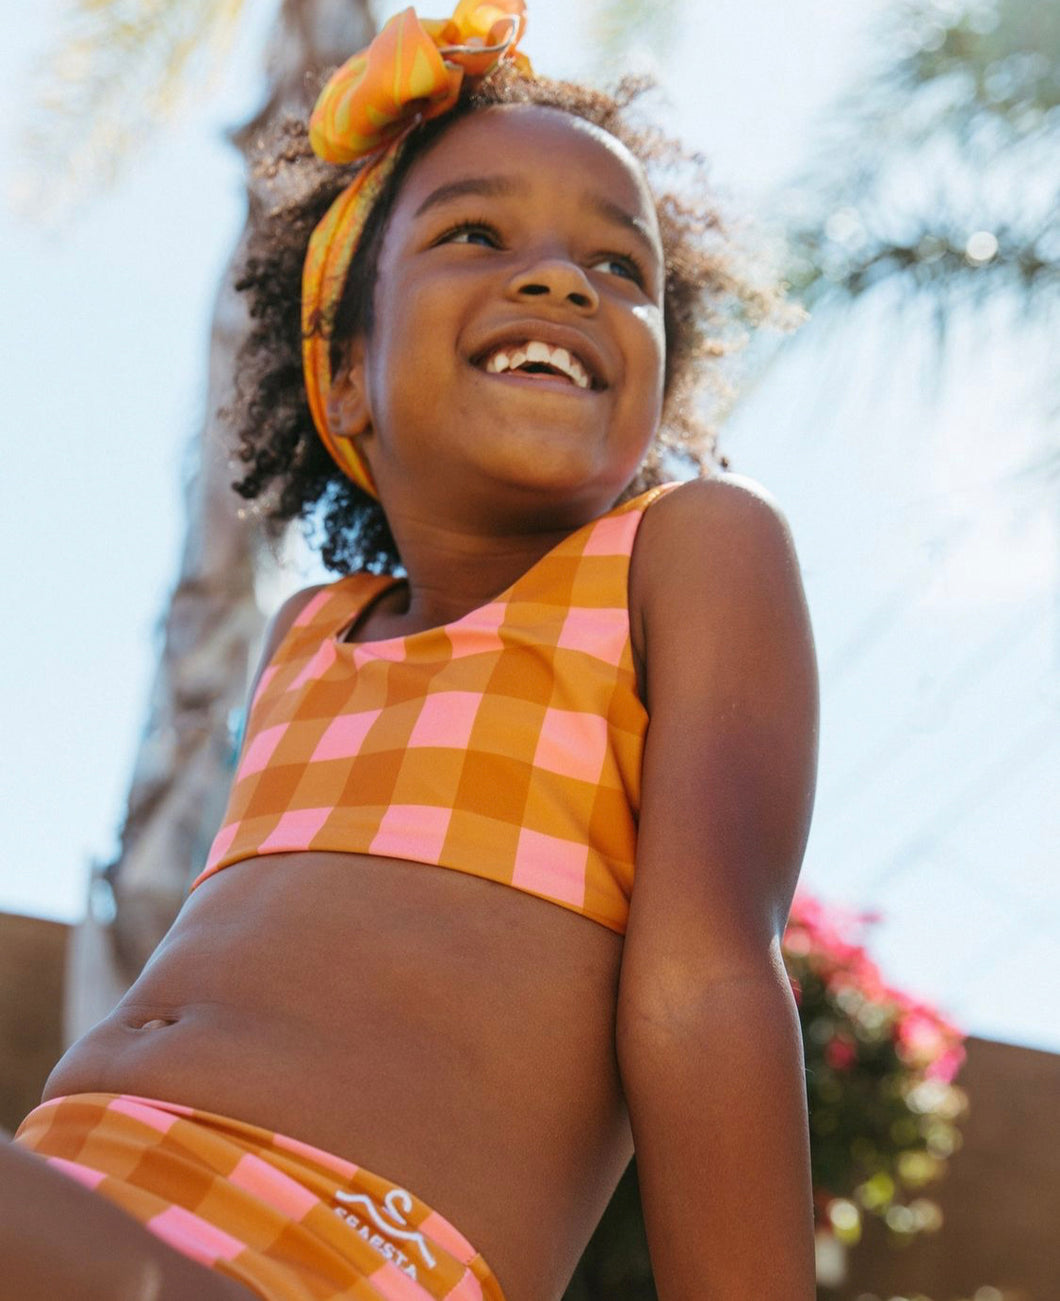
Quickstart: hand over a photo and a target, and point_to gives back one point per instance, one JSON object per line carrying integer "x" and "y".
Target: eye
{"x": 616, "y": 264}
{"x": 471, "y": 232}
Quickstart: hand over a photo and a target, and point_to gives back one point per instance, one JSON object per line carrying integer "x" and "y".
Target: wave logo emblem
{"x": 397, "y": 1203}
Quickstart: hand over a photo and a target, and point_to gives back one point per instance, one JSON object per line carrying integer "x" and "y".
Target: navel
{"x": 156, "y": 1023}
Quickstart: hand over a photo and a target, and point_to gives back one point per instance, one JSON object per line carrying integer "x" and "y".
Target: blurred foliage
{"x": 117, "y": 69}
{"x": 936, "y": 174}
{"x": 632, "y": 35}
{"x": 879, "y": 1071}
{"x": 883, "y": 1108}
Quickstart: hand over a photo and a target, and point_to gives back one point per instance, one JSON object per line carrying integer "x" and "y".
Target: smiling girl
{"x": 587, "y": 693}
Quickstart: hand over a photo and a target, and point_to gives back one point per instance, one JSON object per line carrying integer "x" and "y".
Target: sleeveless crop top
{"x": 506, "y": 744}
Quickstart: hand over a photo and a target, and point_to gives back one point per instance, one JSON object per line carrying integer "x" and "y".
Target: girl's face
{"x": 518, "y": 343}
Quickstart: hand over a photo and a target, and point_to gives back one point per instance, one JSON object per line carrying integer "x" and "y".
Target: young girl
{"x": 346, "y": 1071}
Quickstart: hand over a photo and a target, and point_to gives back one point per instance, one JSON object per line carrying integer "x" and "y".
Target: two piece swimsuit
{"x": 507, "y": 745}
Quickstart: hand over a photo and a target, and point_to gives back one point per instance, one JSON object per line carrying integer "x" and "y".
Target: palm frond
{"x": 933, "y": 177}
{"x": 117, "y": 70}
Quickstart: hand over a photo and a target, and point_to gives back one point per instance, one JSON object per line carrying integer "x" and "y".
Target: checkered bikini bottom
{"x": 289, "y": 1221}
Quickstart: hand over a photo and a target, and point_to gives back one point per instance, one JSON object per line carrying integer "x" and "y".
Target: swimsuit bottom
{"x": 290, "y": 1222}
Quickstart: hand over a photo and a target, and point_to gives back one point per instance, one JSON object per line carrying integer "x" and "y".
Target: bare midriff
{"x": 451, "y": 1034}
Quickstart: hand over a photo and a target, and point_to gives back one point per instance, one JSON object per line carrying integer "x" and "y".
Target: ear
{"x": 348, "y": 411}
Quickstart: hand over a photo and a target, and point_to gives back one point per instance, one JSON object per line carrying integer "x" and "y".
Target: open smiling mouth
{"x": 536, "y": 358}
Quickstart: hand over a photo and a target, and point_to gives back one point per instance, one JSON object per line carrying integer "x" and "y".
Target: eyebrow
{"x": 489, "y": 187}
{"x": 615, "y": 213}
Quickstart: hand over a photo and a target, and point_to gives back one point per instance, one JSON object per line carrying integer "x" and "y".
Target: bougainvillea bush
{"x": 883, "y": 1107}
{"x": 879, "y": 1075}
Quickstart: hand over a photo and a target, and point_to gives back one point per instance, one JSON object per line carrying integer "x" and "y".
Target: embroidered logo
{"x": 361, "y": 1212}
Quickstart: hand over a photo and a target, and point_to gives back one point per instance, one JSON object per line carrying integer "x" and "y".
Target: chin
{"x": 555, "y": 474}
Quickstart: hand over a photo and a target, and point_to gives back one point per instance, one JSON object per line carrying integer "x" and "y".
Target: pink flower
{"x": 824, "y": 936}
{"x": 946, "y": 1064}
{"x": 840, "y": 1054}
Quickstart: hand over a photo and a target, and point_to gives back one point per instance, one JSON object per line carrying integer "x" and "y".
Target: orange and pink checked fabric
{"x": 291, "y": 1222}
{"x": 506, "y": 744}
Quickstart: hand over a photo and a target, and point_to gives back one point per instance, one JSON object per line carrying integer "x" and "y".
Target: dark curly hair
{"x": 710, "y": 296}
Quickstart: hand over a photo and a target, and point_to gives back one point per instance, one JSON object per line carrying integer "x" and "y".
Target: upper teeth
{"x": 534, "y": 350}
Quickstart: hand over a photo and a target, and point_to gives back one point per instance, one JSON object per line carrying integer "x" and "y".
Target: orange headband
{"x": 411, "y": 72}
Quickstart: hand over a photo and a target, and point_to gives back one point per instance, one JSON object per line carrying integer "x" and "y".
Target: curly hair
{"x": 710, "y": 296}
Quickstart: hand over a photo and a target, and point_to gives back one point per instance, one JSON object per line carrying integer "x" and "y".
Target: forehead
{"x": 540, "y": 146}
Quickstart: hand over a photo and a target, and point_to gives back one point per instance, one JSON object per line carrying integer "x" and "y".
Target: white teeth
{"x": 536, "y": 351}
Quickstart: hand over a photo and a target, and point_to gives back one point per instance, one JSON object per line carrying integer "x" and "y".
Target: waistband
{"x": 288, "y": 1220}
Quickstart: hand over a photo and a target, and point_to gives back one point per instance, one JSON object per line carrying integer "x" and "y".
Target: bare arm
{"x": 708, "y": 1036}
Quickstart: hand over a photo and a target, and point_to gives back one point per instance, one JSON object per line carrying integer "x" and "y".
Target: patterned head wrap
{"x": 411, "y": 72}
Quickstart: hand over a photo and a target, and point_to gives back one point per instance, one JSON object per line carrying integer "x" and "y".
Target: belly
{"x": 447, "y": 1032}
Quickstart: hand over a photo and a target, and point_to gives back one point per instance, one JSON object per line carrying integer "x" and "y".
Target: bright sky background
{"x": 930, "y": 566}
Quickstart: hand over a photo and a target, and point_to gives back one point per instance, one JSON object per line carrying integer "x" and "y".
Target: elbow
{"x": 682, "y": 1019}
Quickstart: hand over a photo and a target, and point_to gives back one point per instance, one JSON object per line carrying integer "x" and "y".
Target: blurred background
{"x": 900, "y": 165}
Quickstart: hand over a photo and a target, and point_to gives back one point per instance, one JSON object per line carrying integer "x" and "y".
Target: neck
{"x": 451, "y": 573}
{"x": 461, "y": 548}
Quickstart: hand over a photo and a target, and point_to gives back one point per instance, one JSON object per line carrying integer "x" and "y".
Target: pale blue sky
{"x": 931, "y": 574}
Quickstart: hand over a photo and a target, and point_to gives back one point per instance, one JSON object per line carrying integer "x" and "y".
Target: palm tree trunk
{"x": 183, "y": 766}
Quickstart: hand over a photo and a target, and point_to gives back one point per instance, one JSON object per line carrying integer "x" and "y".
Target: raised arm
{"x": 708, "y": 1036}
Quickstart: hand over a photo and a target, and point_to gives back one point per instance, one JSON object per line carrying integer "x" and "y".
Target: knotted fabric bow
{"x": 411, "y": 72}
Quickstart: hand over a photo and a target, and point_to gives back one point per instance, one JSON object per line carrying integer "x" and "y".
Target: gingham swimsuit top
{"x": 506, "y": 744}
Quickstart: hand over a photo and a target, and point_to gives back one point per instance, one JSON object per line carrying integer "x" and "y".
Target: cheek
{"x": 650, "y": 319}
{"x": 417, "y": 312}
{"x": 651, "y": 347}
{"x": 412, "y": 350}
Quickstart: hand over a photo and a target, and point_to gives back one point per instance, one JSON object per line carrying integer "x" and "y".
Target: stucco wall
{"x": 1000, "y": 1199}
{"x": 32, "y": 961}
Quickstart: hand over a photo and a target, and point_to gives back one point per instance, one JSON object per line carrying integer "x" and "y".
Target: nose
{"x": 556, "y": 279}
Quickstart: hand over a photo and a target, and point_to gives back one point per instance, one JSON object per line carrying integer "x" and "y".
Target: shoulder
{"x": 697, "y": 517}
{"x": 719, "y": 490}
{"x": 702, "y": 546}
